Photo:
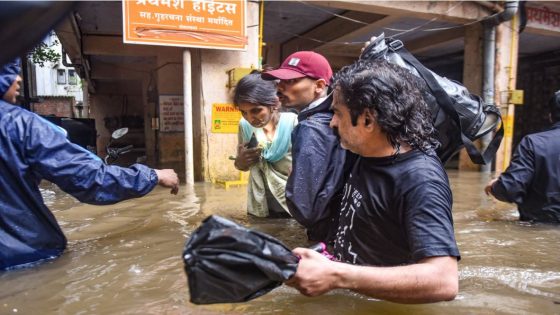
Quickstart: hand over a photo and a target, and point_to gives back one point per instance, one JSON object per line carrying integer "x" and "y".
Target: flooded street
{"x": 126, "y": 259}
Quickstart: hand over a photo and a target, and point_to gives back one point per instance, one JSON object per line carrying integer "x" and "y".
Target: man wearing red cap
{"x": 319, "y": 165}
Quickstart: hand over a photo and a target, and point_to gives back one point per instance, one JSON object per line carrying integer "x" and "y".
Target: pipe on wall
{"x": 489, "y": 60}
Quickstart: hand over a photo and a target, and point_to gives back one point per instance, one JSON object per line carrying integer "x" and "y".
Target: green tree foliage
{"x": 43, "y": 53}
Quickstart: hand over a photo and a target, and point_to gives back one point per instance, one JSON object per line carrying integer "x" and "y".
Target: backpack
{"x": 459, "y": 116}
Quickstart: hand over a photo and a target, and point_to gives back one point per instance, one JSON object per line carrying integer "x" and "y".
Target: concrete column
{"x": 507, "y": 39}
{"x": 187, "y": 103}
{"x": 472, "y": 79}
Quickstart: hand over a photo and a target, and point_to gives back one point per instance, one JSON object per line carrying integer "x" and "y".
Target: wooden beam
{"x": 451, "y": 11}
{"x": 338, "y": 62}
{"x": 327, "y": 31}
{"x": 68, "y": 40}
{"x": 371, "y": 29}
{"x": 415, "y": 46}
{"x": 434, "y": 39}
{"x": 345, "y": 50}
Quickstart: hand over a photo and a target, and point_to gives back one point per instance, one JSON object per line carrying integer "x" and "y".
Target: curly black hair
{"x": 394, "y": 97}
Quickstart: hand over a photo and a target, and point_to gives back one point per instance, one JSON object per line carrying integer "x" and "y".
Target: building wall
{"x": 214, "y": 64}
{"x": 54, "y": 106}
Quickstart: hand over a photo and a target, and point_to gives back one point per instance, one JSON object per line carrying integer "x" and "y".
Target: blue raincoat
{"x": 32, "y": 149}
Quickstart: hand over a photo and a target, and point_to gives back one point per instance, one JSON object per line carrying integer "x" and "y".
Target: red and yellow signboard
{"x": 186, "y": 23}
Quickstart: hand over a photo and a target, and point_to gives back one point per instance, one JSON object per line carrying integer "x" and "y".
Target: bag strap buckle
{"x": 395, "y": 44}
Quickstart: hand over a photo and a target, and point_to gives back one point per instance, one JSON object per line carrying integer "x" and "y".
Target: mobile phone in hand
{"x": 253, "y": 142}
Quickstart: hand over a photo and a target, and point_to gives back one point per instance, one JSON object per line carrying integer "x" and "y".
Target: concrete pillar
{"x": 507, "y": 41}
{"x": 472, "y": 78}
{"x": 200, "y": 136}
{"x": 188, "y": 120}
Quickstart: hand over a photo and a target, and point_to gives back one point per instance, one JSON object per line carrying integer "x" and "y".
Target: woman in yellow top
{"x": 270, "y": 161}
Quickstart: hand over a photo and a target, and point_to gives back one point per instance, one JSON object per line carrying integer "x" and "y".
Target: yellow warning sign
{"x": 225, "y": 118}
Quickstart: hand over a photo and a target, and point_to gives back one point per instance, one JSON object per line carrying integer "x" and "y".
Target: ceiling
{"x": 337, "y": 33}
{"x": 286, "y": 20}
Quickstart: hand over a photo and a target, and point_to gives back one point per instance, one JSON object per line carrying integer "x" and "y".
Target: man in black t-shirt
{"x": 395, "y": 237}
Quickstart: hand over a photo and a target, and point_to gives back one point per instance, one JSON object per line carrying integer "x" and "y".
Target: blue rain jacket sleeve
{"x": 79, "y": 172}
{"x": 32, "y": 149}
{"x": 319, "y": 169}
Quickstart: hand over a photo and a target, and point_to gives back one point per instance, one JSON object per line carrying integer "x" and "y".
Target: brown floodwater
{"x": 126, "y": 259}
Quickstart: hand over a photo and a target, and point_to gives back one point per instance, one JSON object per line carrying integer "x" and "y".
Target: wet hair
{"x": 253, "y": 89}
{"x": 394, "y": 97}
{"x": 554, "y": 106}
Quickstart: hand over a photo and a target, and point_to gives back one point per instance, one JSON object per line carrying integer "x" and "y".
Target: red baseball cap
{"x": 301, "y": 64}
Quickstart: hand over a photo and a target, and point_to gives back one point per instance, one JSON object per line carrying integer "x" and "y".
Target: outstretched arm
{"x": 81, "y": 173}
{"x": 430, "y": 280}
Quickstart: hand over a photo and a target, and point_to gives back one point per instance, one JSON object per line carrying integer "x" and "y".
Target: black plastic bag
{"x": 459, "y": 116}
{"x": 228, "y": 263}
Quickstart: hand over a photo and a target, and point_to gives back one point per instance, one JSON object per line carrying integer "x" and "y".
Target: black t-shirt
{"x": 395, "y": 211}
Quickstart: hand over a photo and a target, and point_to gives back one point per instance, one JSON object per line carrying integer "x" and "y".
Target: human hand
{"x": 315, "y": 274}
{"x": 168, "y": 178}
{"x": 247, "y": 157}
{"x": 488, "y": 188}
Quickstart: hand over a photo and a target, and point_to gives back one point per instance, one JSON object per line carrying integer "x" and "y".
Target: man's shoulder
{"x": 315, "y": 127}
{"x": 12, "y": 115}
{"x": 547, "y": 135}
{"x": 318, "y": 117}
{"x": 422, "y": 167}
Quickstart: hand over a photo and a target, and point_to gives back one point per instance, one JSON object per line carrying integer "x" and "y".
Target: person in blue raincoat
{"x": 32, "y": 149}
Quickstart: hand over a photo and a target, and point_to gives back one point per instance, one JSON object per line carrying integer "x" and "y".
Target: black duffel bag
{"x": 459, "y": 116}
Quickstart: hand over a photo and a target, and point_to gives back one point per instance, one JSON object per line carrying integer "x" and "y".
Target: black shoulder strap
{"x": 446, "y": 104}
